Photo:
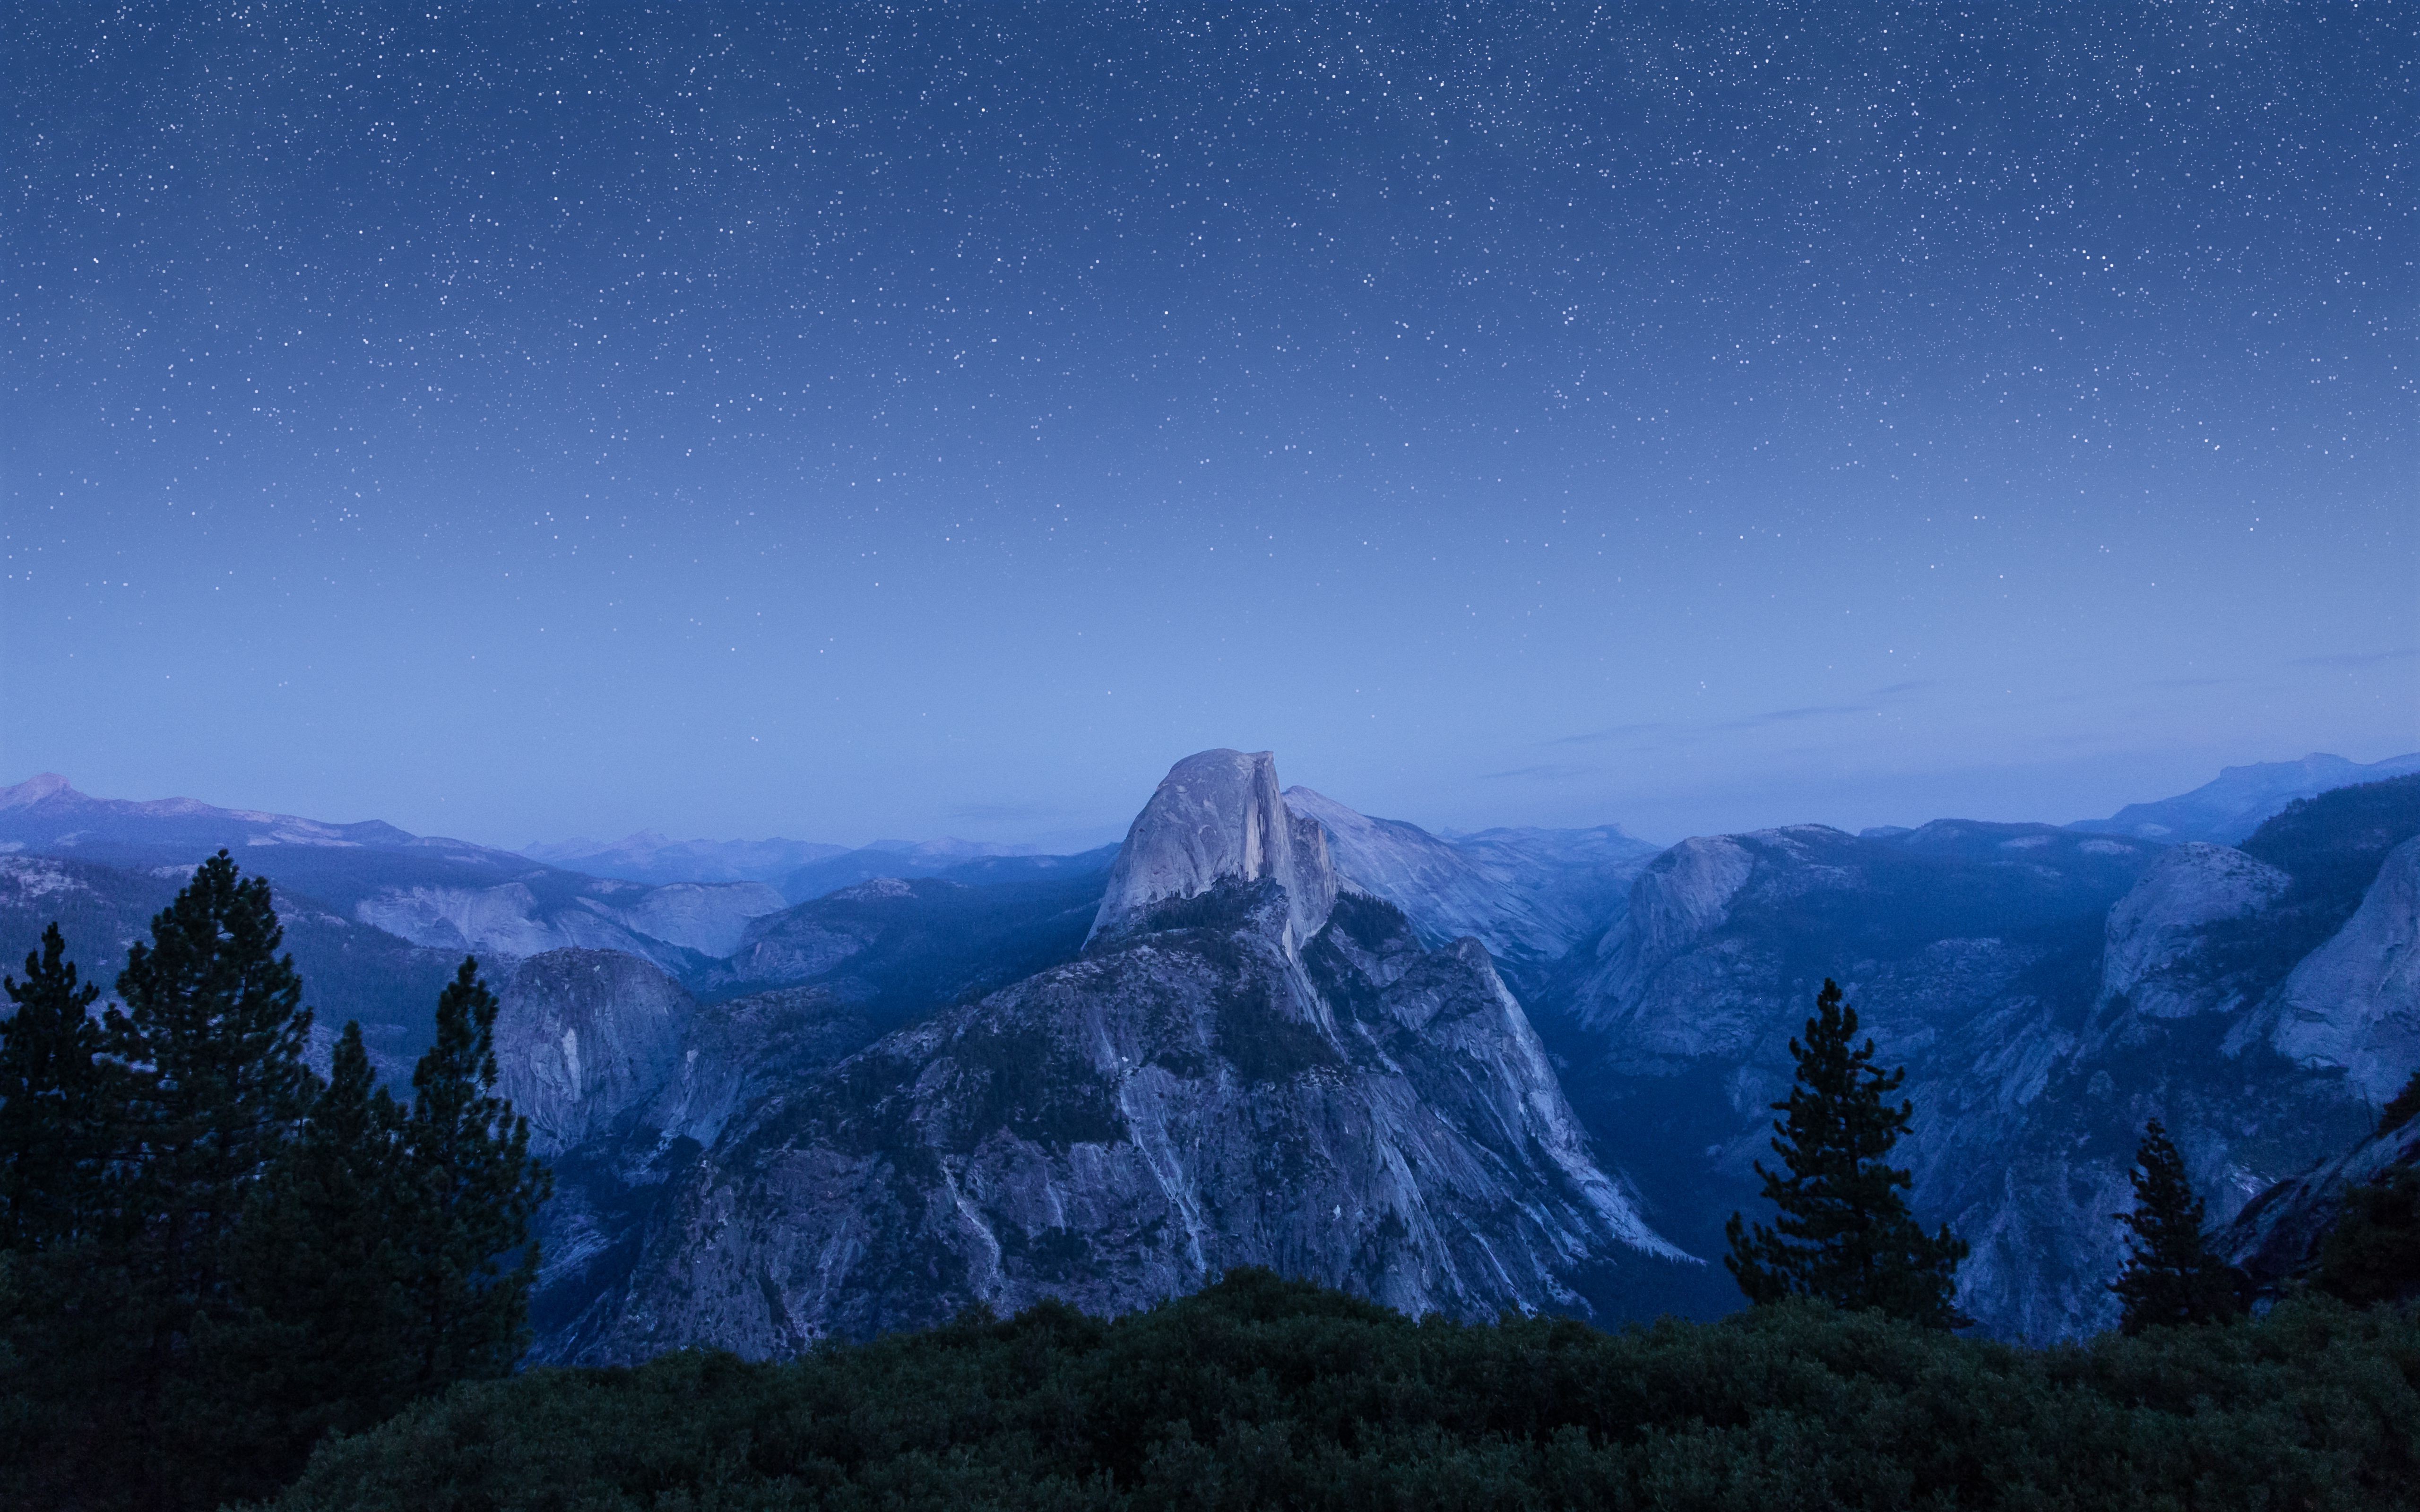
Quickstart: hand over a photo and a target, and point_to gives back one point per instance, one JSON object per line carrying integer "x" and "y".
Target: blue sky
{"x": 856, "y": 421}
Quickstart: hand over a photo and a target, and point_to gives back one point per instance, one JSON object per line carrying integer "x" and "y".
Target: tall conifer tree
{"x": 320, "y": 1347}
{"x": 62, "y": 1304}
{"x": 212, "y": 1035}
{"x": 470, "y": 1192}
{"x": 55, "y": 1126}
{"x": 2170, "y": 1275}
{"x": 1844, "y": 1233}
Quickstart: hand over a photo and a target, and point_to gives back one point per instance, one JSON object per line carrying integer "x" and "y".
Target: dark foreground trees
{"x": 1261, "y": 1392}
{"x": 2170, "y": 1275}
{"x": 210, "y": 1257}
{"x": 1844, "y": 1234}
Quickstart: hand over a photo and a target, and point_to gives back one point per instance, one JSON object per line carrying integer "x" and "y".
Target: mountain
{"x": 2048, "y": 990}
{"x": 1529, "y": 895}
{"x": 1250, "y": 1062}
{"x": 2235, "y": 803}
{"x": 899, "y": 948}
{"x": 43, "y": 814}
{"x": 925, "y": 858}
{"x": 443, "y": 895}
{"x": 647, "y": 857}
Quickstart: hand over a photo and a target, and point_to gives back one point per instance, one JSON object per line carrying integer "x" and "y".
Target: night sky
{"x": 515, "y": 421}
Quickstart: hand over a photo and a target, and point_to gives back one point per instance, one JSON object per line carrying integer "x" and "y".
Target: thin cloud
{"x": 1813, "y": 711}
{"x": 2353, "y": 659}
{"x": 1901, "y": 689}
{"x": 1545, "y": 771}
{"x": 1612, "y": 732}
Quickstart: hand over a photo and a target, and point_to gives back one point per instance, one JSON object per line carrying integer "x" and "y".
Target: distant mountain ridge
{"x": 2239, "y": 799}
{"x": 800, "y": 870}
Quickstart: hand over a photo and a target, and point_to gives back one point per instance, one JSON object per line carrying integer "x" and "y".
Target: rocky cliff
{"x": 584, "y": 1037}
{"x": 1529, "y": 895}
{"x": 2049, "y": 992}
{"x": 1208, "y": 1086}
{"x": 1220, "y": 815}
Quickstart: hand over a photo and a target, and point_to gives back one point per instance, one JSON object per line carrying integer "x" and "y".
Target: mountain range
{"x": 1523, "y": 1069}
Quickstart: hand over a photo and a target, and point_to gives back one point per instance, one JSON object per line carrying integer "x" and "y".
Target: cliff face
{"x": 2049, "y": 992}
{"x": 1207, "y": 1086}
{"x": 1529, "y": 895}
{"x": 2353, "y": 1005}
{"x": 1220, "y": 815}
{"x": 582, "y": 1037}
{"x": 2277, "y": 1236}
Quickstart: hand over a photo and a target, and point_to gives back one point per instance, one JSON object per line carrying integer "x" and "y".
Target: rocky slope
{"x": 1529, "y": 895}
{"x": 584, "y": 1037}
{"x": 2277, "y": 1236}
{"x": 2049, "y": 992}
{"x": 1247, "y": 1065}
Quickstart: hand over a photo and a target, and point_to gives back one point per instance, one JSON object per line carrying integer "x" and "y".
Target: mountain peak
{"x": 1220, "y": 815}
{"x": 34, "y": 790}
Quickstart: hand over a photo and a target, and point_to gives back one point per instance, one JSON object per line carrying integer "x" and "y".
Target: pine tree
{"x": 469, "y": 1190}
{"x": 320, "y": 1346}
{"x": 2170, "y": 1275}
{"x": 62, "y": 1304}
{"x": 213, "y": 1035}
{"x": 1844, "y": 1233}
{"x": 55, "y": 1138}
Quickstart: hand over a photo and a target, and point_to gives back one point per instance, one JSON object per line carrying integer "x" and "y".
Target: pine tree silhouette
{"x": 1844, "y": 1233}
{"x": 55, "y": 1133}
{"x": 320, "y": 1347}
{"x": 468, "y": 1193}
{"x": 2170, "y": 1275}
{"x": 212, "y": 1037}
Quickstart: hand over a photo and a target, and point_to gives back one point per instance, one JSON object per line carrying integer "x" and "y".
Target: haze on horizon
{"x": 934, "y": 418}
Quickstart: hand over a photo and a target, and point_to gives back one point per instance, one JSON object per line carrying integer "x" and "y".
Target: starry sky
{"x": 896, "y": 420}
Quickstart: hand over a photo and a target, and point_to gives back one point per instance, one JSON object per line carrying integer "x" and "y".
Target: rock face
{"x": 2153, "y": 945}
{"x": 2277, "y": 1236}
{"x": 2048, "y": 991}
{"x": 1207, "y": 1086}
{"x": 2353, "y": 1004}
{"x": 679, "y": 927}
{"x": 1220, "y": 815}
{"x": 584, "y": 1037}
{"x": 1529, "y": 895}
{"x": 1680, "y": 900}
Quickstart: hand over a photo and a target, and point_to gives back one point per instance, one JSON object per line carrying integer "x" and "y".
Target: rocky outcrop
{"x": 2152, "y": 951}
{"x": 2353, "y": 1004}
{"x": 1228, "y": 1075}
{"x": 2276, "y": 1238}
{"x": 812, "y": 939}
{"x": 678, "y": 927}
{"x": 585, "y": 1037}
{"x": 1676, "y": 904}
{"x": 1219, "y": 816}
{"x": 1125, "y": 1128}
{"x": 1529, "y": 895}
